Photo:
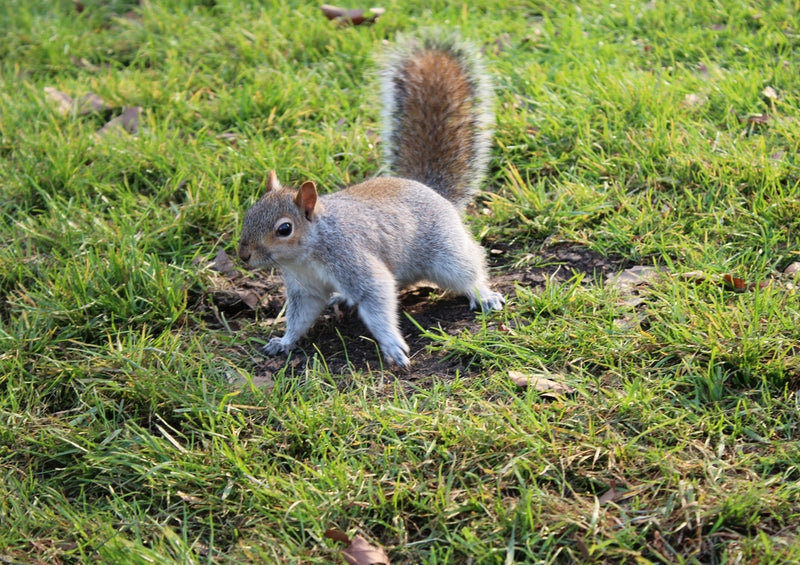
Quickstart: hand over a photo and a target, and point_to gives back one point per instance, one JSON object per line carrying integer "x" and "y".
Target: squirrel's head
{"x": 275, "y": 228}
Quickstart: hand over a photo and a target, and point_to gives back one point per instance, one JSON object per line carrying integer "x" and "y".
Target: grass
{"x": 650, "y": 133}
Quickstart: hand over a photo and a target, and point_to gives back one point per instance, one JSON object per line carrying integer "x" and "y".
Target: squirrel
{"x": 361, "y": 244}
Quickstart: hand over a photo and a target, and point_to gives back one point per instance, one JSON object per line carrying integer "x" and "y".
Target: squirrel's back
{"x": 437, "y": 114}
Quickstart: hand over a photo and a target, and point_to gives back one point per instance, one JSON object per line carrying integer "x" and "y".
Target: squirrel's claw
{"x": 277, "y": 345}
{"x": 396, "y": 354}
{"x": 489, "y": 300}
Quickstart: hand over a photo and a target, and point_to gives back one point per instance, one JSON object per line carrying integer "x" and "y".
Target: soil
{"x": 344, "y": 343}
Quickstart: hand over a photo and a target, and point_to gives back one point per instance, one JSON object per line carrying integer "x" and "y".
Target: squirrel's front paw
{"x": 276, "y": 346}
{"x": 396, "y": 354}
{"x": 490, "y": 300}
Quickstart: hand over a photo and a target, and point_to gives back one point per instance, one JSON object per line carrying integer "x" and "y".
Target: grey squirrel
{"x": 361, "y": 244}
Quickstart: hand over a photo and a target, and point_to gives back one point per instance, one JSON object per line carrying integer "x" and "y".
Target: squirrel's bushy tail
{"x": 437, "y": 115}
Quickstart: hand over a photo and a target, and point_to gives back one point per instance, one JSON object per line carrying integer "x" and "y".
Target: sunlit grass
{"x": 659, "y": 134}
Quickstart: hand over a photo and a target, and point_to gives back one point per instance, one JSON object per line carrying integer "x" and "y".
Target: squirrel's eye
{"x": 284, "y": 230}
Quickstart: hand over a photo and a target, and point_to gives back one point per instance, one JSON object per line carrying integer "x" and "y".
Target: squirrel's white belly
{"x": 314, "y": 277}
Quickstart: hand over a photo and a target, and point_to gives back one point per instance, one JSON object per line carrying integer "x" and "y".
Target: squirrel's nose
{"x": 244, "y": 253}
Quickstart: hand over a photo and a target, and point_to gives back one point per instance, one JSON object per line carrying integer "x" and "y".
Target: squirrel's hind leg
{"x": 462, "y": 270}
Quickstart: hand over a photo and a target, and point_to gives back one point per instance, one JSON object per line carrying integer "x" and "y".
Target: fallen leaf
{"x": 351, "y": 17}
{"x": 263, "y": 382}
{"x": 189, "y": 498}
{"x": 735, "y": 283}
{"x": 83, "y": 63}
{"x": 64, "y": 100}
{"x": 613, "y": 494}
{"x": 793, "y": 268}
{"x": 86, "y": 104}
{"x": 250, "y": 298}
{"x": 583, "y": 548}
{"x": 758, "y": 119}
{"x": 694, "y": 100}
{"x": 502, "y": 327}
{"x": 610, "y": 495}
{"x": 696, "y": 277}
{"x": 222, "y": 263}
{"x": 635, "y": 276}
{"x": 128, "y": 122}
{"x": 630, "y": 322}
{"x": 91, "y": 103}
{"x": 542, "y": 384}
{"x": 337, "y": 535}
{"x": 358, "y": 551}
{"x": 770, "y": 93}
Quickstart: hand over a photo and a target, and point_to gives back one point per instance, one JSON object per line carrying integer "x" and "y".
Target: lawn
{"x": 641, "y": 214}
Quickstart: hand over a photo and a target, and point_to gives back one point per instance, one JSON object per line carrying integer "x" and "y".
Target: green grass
{"x": 633, "y": 129}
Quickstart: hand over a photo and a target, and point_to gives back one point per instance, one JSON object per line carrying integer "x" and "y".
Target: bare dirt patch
{"x": 342, "y": 341}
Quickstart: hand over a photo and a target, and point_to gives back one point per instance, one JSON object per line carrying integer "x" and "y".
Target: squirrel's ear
{"x": 306, "y": 198}
{"x": 272, "y": 182}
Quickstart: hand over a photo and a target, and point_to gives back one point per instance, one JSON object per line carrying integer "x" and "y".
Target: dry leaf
{"x": 630, "y": 322}
{"x": 83, "y": 63}
{"x": 249, "y": 297}
{"x": 544, "y": 385}
{"x": 770, "y": 93}
{"x": 67, "y": 105}
{"x": 64, "y": 100}
{"x": 358, "y": 551}
{"x": 502, "y": 327}
{"x": 793, "y": 268}
{"x": 263, "y": 382}
{"x": 735, "y": 283}
{"x": 189, "y": 498}
{"x": 337, "y": 535}
{"x": 758, "y": 119}
{"x": 222, "y": 263}
{"x": 696, "y": 277}
{"x": 351, "y": 17}
{"x": 584, "y": 549}
{"x": 128, "y": 122}
{"x": 610, "y": 495}
{"x": 694, "y": 100}
{"x": 91, "y": 103}
{"x": 635, "y": 276}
